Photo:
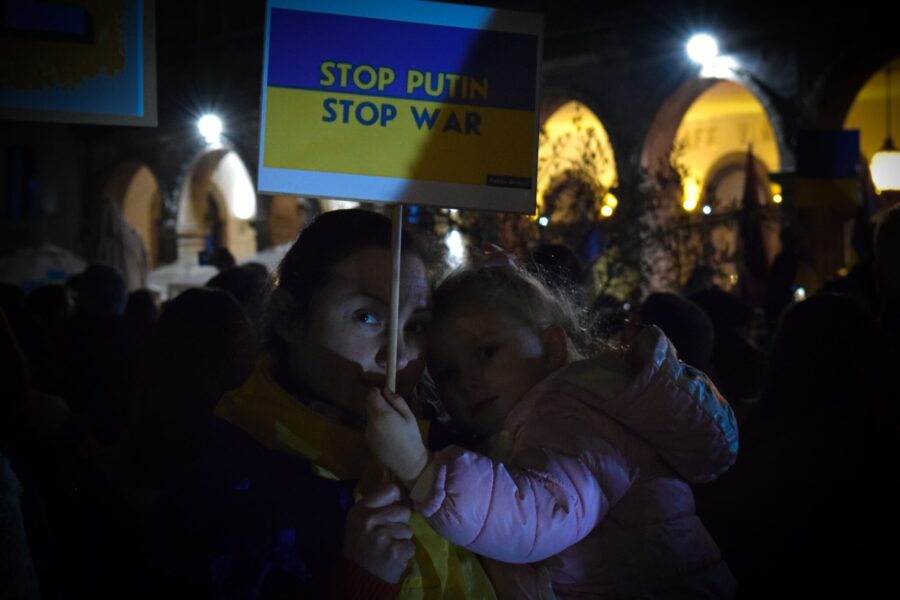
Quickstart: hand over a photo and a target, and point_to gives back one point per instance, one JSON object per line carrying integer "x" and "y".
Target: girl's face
{"x": 483, "y": 363}
{"x": 340, "y": 349}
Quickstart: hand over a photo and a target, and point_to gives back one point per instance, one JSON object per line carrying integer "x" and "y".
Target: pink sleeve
{"x": 550, "y": 501}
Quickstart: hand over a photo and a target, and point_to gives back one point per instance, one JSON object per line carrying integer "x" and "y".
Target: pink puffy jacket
{"x": 593, "y": 499}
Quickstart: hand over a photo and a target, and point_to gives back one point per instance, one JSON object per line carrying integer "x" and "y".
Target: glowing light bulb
{"x": 210, "y": 127}
{"x": 702, "y": 48}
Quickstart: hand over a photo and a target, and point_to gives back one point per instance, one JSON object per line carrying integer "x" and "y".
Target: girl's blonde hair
{"x": 523, "y": 295}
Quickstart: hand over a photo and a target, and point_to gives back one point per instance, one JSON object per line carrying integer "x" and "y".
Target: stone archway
{"x": 287, "y": 217}
{"x": 576, "y": 171}
{"x": 851, "y": 95}
{"x": 664, "y": 129}
{"x": 134, "y": 189}
{"x": 217, "y": 203}
{"x": 724, "y": 181}
{"x": 723, "y": 123}
{"x": 868, "y": 115}
{"x": 573, "y": 137}
{"x": 723, "y": 193}
{"x": 702, "y": 131}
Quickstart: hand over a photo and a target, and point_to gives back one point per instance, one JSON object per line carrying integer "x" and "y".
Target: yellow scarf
{"x": 277, "y": 420}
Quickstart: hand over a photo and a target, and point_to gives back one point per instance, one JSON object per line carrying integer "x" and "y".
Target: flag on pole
{"x": 752, "y": 267}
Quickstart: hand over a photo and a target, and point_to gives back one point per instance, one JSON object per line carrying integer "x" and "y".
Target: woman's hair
{"x": 512, "y": 289}
{"x": 327, "y": 240}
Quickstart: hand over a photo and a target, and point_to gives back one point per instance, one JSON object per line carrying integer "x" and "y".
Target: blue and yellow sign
{"x": 404, "y": 101}
{"x": 83, "y": 61}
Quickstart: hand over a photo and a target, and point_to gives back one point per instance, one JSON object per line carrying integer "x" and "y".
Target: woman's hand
{"x": 378, "y": 537}
{"x": 393, "y": 435}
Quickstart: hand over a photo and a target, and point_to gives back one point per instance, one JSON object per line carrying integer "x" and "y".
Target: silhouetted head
{"x": 685, "y": 324}
{"x": 99, "y": 292}
{"x": 52, "y": 304}
{"x": 819, "y": 356}
{"x": 204, "y": 347}
{"x": 247, "y": 284}
{"x": 221, "y": 258}
{"x": 724, "y": 309}
{"x": 260, "y": 268}
{"x": 143, "y": 309}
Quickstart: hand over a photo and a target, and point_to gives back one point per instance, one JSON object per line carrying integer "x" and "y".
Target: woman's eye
{"x": 366, "y": 317}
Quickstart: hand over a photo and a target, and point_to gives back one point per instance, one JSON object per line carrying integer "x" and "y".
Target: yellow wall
{"x": 867, "y": 113}
{"x": 141, "y": 208}
{"x": 724, "y": 120}
{"x": 134, "y": 189}
{"x": 221, "y": 174}
{"x": 565, "y": 133}
{"x": 286, "y": 218}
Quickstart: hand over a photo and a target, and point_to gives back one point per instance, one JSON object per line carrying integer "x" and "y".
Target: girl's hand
{"x": 393, "y": 435}
{"x": 378, "y": 537}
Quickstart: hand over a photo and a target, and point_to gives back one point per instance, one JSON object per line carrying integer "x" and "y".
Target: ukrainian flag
{"x": 828, "y": 170}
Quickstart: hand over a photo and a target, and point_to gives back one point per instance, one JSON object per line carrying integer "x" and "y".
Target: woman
{"x": 293, "y": 456}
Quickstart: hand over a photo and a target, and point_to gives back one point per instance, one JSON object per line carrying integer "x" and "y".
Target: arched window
{"x": 723, "y": 121}
{"x": 575, "y": 152}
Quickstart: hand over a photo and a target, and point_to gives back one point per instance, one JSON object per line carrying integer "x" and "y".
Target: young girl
{"x": 585, "y": 488}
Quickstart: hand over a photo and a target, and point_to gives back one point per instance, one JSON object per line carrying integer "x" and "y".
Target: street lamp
{"x": 210, "y": 127}
{"x": 885, "y": 166}
{"x": 702, "y": 48}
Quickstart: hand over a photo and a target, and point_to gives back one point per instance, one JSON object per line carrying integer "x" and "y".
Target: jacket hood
{"x": 670, "y": 405}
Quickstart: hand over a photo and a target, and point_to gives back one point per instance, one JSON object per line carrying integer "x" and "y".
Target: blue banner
{"x": 393, "y": 59}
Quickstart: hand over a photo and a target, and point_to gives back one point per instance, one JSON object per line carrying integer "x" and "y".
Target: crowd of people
{"x": 240, "y": 440}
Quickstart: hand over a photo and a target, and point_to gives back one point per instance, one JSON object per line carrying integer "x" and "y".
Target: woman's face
{"x": 340, "y": 350}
